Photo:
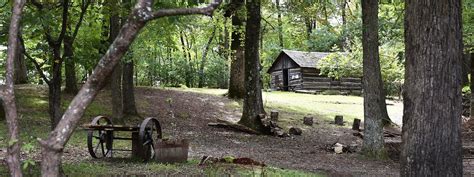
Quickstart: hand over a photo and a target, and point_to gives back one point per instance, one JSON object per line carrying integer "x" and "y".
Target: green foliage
{"x": 340, "y": 65}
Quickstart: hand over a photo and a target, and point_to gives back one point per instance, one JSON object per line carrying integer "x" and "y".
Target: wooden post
{"x": 307, "y": 120}
{"x": 339, "y": 120}
{"x": 274, "y": 116}
{"x": 356, "y": 124}
{"x": 138, "y": 150}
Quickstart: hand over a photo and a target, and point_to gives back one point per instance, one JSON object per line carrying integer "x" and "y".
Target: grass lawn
{"x": 296, "y": 105}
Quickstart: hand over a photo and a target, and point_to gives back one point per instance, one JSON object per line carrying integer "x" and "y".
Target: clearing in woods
{"x": 304, "y": 155}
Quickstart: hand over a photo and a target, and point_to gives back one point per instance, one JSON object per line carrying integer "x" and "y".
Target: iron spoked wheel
{"x": 150, "y": 132}
{"x": 99, "y": 142}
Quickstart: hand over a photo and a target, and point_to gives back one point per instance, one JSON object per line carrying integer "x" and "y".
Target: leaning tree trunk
{"x": 432, "y": 98}
{"x": 237, "y": 66}
{"x": 375, "y": 109}
{"x": 129, "y": 106}
{"x": 253, "y": 104}
{"x": 21, "y": 76}
{"x": 8, "y": 92}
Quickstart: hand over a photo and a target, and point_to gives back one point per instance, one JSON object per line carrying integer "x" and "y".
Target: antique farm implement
{"x": 100, "y": 137}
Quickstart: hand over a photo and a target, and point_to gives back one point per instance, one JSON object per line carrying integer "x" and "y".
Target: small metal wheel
{"x": 99, "y": 142}
{"x": 150, "y": 132}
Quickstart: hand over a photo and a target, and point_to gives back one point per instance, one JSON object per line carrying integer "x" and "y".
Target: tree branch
{"x": 208, "y": 10}
{"x": 85, "y": 5}
{"x": 65, "y": 5}
{"x": 37, "y": 65}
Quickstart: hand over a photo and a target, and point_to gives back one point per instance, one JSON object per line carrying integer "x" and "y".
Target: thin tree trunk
{"x": 253, "y": 104}
{"x": 187, "y": 72}
{"x": 116, "y": 77}
{"x": 203, "y": 59}
{"x": 375, "y": 109}
{"x": 8, "y": 92}
{"x": 432, "y": 92}
{"x": 280, "y": 25}
{"x": 129, "y": 106}
{"x": 53, "y": 146}
{"x": 237, "y": 66}
{"x": 472, "y": 86}
{"x": 69, "y": 66}
{"x": 21, "y": 73}
{"x": 54, "y": 94}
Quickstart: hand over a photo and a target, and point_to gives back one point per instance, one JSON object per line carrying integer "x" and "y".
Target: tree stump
{"x": 356, "y": 124}
{"x": 295, "y": 131}
{"x": 339, "y": 120}
{"x": 308, "y": 121}
{"x": 274, "y": 116}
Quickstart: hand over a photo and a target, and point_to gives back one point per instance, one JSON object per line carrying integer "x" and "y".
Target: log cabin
{"x": 297, "y": 71}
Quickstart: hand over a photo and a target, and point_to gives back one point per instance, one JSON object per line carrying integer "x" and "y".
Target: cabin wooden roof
{"x": 305, "y": 59}
{"x": 301, "y": 58}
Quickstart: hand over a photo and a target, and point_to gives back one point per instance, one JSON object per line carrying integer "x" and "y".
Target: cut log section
{"x": 356, "y": 124}
{"x": 339, "y": 120}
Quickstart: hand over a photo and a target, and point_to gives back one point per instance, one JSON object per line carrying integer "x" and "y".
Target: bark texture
{"x": 253, "y": 104}
{"x": 237, "y": 66}
{"x": 8, "y": 92}
{"x": 53, "y": 146}
{"x": 21, "y": 73}
{"x": 375, "y": 109}
{"x": 129, "y": 106}
{"x": 69, "y": 66}
{"x": 116, "y": 77}
{"x": 432, "y": 93}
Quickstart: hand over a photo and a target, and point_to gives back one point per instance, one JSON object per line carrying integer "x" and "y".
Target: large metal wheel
{"x": 150, "y": 132}
{"x": 99, "y": 142}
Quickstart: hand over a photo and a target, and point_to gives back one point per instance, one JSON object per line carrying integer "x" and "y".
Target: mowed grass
{"x": 294, "y": 106}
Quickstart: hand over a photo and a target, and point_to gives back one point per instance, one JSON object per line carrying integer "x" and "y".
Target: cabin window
{"x": 295, "y": 76}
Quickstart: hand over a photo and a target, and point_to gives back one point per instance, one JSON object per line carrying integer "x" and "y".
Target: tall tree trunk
{"x": 70, "y": 65}
{"x": 472, "y": 85}
{"x": 237, "y": 66}
{"x": 253, "y": 104}
{"x": 129, "y": 106}
{"x": 21, "y": 72}
{"x": 432, "y": 97}
{"x": 54, "y": 88}
{"x": 53, "y": 146}
{"x": 280, "y": 25}
{"x": 187, "y": 74}
{"x": 375, "y": 109}
{"x": 345, "y": 38}
{"x": 8, "y": 92}
{"x": 203, "y": 59}
{"x": 116, "y": 77}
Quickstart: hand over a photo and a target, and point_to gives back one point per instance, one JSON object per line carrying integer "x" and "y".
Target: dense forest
{"x": 79, "y": 47}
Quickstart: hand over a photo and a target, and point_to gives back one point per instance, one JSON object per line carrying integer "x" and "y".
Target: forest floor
{"x": 304, "y": 155}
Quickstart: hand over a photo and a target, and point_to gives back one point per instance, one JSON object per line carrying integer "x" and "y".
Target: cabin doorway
{"x": 285, "y": 79}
